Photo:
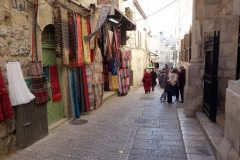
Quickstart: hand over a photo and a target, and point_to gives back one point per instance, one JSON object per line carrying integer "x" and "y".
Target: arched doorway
{"x": 54, "y": 109}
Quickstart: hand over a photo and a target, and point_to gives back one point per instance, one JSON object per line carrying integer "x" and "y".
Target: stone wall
{"x": 229, "y": 148}
{"x": 220, "y": 16}
{"x": 15, "y": 44}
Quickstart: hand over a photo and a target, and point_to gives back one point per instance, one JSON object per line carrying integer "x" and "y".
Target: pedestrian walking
{"x": 181, "y": 79}
{"x": 177, "y": 88}
{"x": 170, "y": 86}
{"x": 147, "y": 81}
{"x": 164, "y": 82}
{"x": 154, "y": 77}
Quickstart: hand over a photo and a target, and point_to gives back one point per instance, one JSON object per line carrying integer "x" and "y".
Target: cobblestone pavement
{"x": 137, "y": 126}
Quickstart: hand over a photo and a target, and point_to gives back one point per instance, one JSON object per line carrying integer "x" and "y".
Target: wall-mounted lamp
{"x": 113, "y": 20}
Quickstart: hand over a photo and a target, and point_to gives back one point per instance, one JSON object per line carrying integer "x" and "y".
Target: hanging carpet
{"x": 65, "y": 36}
{"x": 85, "y": 88}
{"x": 79, "y": 40}
{"x": 80, "y": 89}
{"x": 86, "y": 46}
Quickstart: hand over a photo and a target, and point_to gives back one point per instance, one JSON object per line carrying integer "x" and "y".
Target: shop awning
{"x": 126, "y": 23}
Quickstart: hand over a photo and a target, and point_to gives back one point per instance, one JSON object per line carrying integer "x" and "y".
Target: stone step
{"x": 221, "y": 118}
{"x": 108, "y": 95}
{"x": 213, "y": 133}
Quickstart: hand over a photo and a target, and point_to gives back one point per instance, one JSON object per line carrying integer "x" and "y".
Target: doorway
{"x": 54, "y": 109}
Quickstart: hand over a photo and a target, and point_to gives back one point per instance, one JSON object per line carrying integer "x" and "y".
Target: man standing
{"x": 181, "y": 79}
{"x": 154, "y": 77}
{"x": 164, "y": 82}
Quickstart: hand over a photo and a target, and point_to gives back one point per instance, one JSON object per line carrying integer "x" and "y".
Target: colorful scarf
{"x": 56, "y": 92}
{"x": 79, "y": 40}
{"x": 86, "y": 47}
{"x": 72, "y": 40}
{"x": 85, "y": 87}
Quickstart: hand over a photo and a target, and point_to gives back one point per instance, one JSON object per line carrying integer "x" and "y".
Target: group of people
{"x": 171, "y": 81}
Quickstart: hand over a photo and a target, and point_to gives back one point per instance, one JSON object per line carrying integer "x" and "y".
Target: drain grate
{"x": 143, "y": 120}
{"x": 147, "y": 98}
{"x": 78, "y": 122}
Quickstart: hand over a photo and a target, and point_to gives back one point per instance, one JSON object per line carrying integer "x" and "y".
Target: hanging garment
{"x": 73, "y": 94}
{"x": 6, "y": 110}
{"x": 18, "y": 90}
{"x": 56, "y": 92}
{"x": 86, "y": 47}
{"x": 46, "y": 74}
{"x": 79, "y": 40}
{"x": 80, "y": 89}
{"x": 102, "y": 17}
{"x": 58, "y": 31}
{"x": 113, "y": 82}
{"x": 85, "y": 87}
{"x": 89, "y": 84}
{"x": 65, "y": 38}
{"x": 72, "y": 40}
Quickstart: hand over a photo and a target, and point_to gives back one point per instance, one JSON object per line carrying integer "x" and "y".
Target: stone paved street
{"x": 137, "y": 126}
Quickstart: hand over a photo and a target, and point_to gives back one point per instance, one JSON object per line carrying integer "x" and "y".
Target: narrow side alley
{"x": 137, "y": 126}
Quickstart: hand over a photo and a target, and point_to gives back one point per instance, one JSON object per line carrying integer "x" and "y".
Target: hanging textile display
{"x": 124, "y": 71}
{"x": 73, "y": 94}
{"x": 85, "y": 88}
{"x": 102, "y": 17}
{"x": 58, "y": 31}
{"x": 18, "y": 90}
{"x": 86, "y": 47}
{"x": 56, "y": 91}
{"x": 98, "y": 79}
{"x": 89, "y": 74}
{"x": 37, "y": 80}
{"x": 6, "y": 110}
{"x": 79, "y": 40}
{"x": 80, "y": 89}
{"x": 72, "y": 40}
{"x": 65, "y": 40}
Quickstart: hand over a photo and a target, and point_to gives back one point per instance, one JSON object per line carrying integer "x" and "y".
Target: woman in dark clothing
{"x": 170, "y": 86}
{"x": 147, "y": 81}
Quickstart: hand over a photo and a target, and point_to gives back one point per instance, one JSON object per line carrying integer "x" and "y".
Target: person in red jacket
{"x": 147, "y": 81}
{"x": 182, "y": 81}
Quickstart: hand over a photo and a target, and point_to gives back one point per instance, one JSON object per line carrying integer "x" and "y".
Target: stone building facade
{"x": 15, "y": 45}
{"x": 209, "y": 16}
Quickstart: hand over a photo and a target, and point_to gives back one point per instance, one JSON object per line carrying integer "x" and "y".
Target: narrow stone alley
{"x": 137, "y": 126}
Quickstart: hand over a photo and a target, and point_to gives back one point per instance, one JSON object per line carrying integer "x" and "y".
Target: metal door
{"x": 210, "y": 77}
{"x": 54, "y": 109}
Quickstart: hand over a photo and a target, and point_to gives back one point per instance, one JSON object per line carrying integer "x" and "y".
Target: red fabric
{"x": 56, "y": 92}
{"x": 5, "y": 104}
{"x": 117, "y": 42}
{"x": 86, "y": 88}
{"x": 147, "y": 81}
{"x": 79, "y": 40}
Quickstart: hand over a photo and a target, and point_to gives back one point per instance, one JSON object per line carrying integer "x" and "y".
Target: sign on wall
{"x": 19, "y": 6}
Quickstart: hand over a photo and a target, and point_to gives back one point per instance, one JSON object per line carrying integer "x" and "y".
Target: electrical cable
{"x": 157, "y": 11}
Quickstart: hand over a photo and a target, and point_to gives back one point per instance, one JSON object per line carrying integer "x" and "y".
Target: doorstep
{"x": 57, "y": 123}
{"x": 212, "y": 131}
{"x": 107, "y": 95}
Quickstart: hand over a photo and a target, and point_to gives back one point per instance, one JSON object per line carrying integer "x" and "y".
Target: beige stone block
{"x": 234, "y": 86}
{"x": 222, "y": 62}
{"x": 210, "y": 11}
{"x": 224, "y": 23}
{"x": 208, "y": 25}
{"x": 233, "y": 155}
{"x": 220, "y": 73}
{"x": 231, "y": 64}
{"x": 236, "y": 6}
{"x": 229, "y": 73}
{"x": 225, "y": 49}
{"x": 217, "y": 24}
{"x": 224, "y": 148}
{"x": 225, "y": 36}
{"x": 234, "y": 35}
{"x": 233, "y": 23}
